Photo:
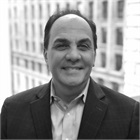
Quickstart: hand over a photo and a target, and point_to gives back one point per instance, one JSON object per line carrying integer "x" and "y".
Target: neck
{"x": 68, "y": 93}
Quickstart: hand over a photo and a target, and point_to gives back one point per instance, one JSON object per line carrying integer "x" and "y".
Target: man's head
{"x": 70, "y": 49}
{"x": 54, "y": 17}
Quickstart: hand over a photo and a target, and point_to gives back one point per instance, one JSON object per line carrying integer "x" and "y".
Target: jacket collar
{"x": 40, "y": 110}
{"x": 93, "y": 114}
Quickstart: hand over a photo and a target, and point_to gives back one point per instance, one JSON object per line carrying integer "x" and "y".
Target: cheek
{"x": 54, "y": 60}
{"x": 89, "y": 59}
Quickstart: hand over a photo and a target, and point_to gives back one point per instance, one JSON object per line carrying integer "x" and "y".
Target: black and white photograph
{"x": 69, "y": 69}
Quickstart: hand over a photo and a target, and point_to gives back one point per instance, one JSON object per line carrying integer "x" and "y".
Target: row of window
{"x": 118, "y": 35}
{"x": 115, "y": 86}
{"x": 32, "y": 82}
{"x": 28, "y": 46}
{"x": 33, "y": 29}
{"x": 29, "y": 82}
{"x": 117, "y": 61}
{"x": 32, "y": 10}
{"x": 104, "y": 9}
{"x": 28, "y": 30}
{"x": 31, "y": 65}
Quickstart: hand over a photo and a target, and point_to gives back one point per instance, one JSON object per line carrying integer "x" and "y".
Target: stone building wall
{"x": 131, "y": 52}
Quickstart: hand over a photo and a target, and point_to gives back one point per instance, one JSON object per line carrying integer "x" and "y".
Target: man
{"x": 71, "y": 106}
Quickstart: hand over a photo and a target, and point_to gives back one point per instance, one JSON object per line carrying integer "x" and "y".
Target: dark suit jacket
{"x": 107, "y": 115}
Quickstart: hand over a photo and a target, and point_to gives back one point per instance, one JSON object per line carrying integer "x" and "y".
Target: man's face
{"x": 70, "y": 53}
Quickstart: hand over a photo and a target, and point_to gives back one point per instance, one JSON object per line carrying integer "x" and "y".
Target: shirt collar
{"x": 83, "y": 93}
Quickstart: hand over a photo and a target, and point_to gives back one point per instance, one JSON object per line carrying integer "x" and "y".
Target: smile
{"x": 72, "y": 68}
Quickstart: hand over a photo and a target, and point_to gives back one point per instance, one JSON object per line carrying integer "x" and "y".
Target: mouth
{"x": 72, "y": 68}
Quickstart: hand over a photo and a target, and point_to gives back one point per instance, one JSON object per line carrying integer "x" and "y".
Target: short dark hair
{"x": 59, "y": 14}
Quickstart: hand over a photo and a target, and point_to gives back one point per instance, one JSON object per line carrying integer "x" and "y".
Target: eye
{"x": 61, "y": 47}
{"x": 83, "y": 47}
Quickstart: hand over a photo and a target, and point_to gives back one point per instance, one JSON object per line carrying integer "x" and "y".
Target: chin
{"x": 73, "y": 82}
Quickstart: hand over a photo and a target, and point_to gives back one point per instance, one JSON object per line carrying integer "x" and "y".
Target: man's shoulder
{"x": 117, "y": 98}
{"x": 110, "y": 95}
{"x": 27, "y": 95}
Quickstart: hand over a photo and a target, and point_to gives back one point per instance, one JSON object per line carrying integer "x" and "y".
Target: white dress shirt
{"x": 66, "y": 118}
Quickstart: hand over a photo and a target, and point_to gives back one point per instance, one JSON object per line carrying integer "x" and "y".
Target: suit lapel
{"x": 40, "y": 110}
{"x": 94, "y": 112}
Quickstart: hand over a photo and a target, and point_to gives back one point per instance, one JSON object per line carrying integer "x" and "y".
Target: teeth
{"x": 72, "y": 68}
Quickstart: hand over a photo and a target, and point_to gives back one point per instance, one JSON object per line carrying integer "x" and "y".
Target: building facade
{"x": 109, "y": 18}
{"x": 131, "y": 51}
{"x": 5, "y": 54}
{"x": 27, "y": 22}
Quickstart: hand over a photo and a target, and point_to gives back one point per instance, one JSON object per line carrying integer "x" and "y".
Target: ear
{"x": 45, "y": 55}
{"x": 94, "y": 58}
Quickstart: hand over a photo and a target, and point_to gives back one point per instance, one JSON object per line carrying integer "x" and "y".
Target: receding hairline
{"x": 71, "y": 16}
{"x": 61, "y": 14}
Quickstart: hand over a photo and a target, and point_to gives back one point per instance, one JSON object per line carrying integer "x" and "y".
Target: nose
{"x": 73, "y": 55}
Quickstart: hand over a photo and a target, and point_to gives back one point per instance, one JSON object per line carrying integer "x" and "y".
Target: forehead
{"x": 70, "y": 23}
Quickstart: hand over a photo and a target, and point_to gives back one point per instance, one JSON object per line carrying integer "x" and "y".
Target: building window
{"x": 67, "y": 6}
{"x": 12, "y": 60}
{"x": 48, "y": 9}
{"x": 120, "y": 8}
{"x": 78, "y": 5}
{"x": 33, "y": 11}
{"x": 104, "y": 9}
{"x": 27, "y": 82}
{"x": 40, "y": 67}
{"x": 41, "y": 31}
{"x": 40, "y": 83}
{"x": 33, "y": 65}
{"x": 34, "y": 46}
{"x": 9, "y": 14}
{"x": 16, "y": 28}
{"x": 15, "y": 12}
{"x": 103, "y": 59}
{"x": 25, "y": 12}
{"x": 115, "y": 86}
{"x": 33, "y": 83}
{"x": 33, "y": 30}
{"x": 119, "y": 36}
{"x": 17, "y": 61}
{"x": 91, "y": 10}
{"x": 40, "y": 11}
{"x": 27, "y": 45}
{"x": 18, "y": 79}
{"x": 17, "y": 44}
{"x": 118, "y": 64}
{"x": 26, "y": 64}
{"x": 26, "y": 29}
{"x": 57, "y": 7}
{"x": 10, "y": 30}
{"x": 104, "y": 35}
{"x": 11, "y": 43}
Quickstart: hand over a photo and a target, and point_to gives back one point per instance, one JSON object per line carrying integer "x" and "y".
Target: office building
{"x": 27, "y": 22}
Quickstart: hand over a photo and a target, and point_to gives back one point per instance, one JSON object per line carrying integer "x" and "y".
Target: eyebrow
{"x": 63, "y": 40}
{"x": 85, "y": 40}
